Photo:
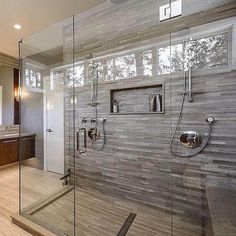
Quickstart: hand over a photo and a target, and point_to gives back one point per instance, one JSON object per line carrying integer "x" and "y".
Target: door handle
{"x": 10, "y": 141}
{"x": 78, "y": 140}
{"x": 26, "y": 139}
{"x": 50, "y": 130}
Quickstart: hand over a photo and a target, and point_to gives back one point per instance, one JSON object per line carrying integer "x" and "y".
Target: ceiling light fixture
{"x": 17, "y": 26}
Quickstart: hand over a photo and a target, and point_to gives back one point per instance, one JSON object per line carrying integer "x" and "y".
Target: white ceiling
{"x": 33, "y": 15}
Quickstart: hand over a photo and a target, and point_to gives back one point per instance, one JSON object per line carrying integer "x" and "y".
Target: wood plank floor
{"x": 9, "y": 203}
{"x": 36, "y": 184}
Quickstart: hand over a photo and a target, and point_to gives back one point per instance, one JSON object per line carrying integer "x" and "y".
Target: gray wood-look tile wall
{"x": 136, "y": 163}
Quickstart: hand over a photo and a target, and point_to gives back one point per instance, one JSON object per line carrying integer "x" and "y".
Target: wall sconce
{"x": 17, "y": 94}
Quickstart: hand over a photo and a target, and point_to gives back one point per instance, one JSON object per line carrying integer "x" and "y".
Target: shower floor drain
{"x": 124, "y": 229}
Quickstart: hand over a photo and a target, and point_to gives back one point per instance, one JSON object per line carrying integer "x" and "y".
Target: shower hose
{"x": 104, "y": 139}
{"x": 177, "y": 124}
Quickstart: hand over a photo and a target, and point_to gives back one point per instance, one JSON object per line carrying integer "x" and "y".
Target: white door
{"x": 54, "y": 133}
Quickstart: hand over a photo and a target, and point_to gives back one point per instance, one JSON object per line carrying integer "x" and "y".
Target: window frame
{"x": 203, "y": 31}
{"x": 37, "y": 68}
{"x": 199, "y": 37}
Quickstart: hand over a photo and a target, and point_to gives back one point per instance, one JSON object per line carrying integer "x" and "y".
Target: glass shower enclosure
{"x": 132, "y": 106}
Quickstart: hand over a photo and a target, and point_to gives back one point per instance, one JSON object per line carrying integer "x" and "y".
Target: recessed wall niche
{"x": 148, "y": 99}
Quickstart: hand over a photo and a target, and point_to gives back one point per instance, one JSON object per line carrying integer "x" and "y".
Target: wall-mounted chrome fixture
{"x": 210, "y": 120}
{"x": 94, "y": 85}
{"x": 65, "y": 178}
{"x": 170, "y": 10}
{"x": 191, "y": 139}
{"x": 84, "y": 120}
{"x": 94, "y": 134}
{"x": 93, "y": 120}
{"x": 190, "y": 93}
{"x": 97, "y": 135}
{"x": 82, "y": 131}
{"x": 102, "y": 119}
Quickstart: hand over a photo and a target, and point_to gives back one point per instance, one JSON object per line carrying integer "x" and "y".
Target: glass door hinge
{"x": 170, "y": 10}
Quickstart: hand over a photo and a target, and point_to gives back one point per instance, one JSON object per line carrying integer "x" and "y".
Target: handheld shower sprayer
{"x": 95, "y": 134}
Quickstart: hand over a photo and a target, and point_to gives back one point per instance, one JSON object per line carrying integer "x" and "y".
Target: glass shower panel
{"x": 128, "y": 122}
{"x": 46, "y": 179}
{"x": 203, "y": 118}
{"x": 122, "y": 117}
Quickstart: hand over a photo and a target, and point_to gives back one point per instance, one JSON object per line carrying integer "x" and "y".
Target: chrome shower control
{"x": 191, "y": 139}
{"x": 93, "y": 120}
{"x": 84, "y": 120}
{"x": 94, "y": 134}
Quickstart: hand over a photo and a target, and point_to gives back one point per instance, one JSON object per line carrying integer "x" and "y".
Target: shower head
{"x": 118, "y": 1}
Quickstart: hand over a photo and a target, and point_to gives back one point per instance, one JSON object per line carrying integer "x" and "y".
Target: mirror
{"x": 9, "y": 102}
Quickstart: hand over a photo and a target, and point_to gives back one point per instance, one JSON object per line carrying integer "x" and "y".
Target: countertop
{"x": 8, "y": 136}
{"x": 222, "y": 206}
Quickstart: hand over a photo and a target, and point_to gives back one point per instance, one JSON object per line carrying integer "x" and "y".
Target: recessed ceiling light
{"x": 17, "y": 26}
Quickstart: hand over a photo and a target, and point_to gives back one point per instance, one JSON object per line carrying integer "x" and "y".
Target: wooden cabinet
{"x": 9, "y": 149}
{"x": 27, "y": 148}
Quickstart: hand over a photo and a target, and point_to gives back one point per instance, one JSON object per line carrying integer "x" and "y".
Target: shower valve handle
{"x": 93, "y": 120}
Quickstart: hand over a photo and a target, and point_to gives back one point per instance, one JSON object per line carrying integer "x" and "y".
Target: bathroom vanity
{"x": 9, "y": 147}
